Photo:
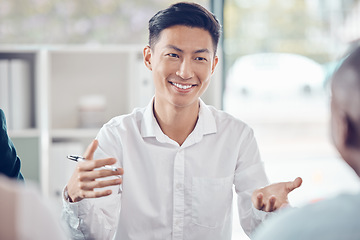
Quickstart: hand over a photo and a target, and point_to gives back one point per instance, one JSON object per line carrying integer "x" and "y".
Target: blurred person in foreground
{"x": 24, "y": 214}
{"x": 336, "y": 218}
{"x": 179, "y": 158}
{"x": 9, "y": 161}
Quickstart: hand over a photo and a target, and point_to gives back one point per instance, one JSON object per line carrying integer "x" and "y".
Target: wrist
{"x": 66, "y": 195}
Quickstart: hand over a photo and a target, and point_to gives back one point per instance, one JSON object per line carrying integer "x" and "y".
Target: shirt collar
{"x": 149, "y": 123}
{"x": 206, "y": 119}
{"x": 205, "y": 125}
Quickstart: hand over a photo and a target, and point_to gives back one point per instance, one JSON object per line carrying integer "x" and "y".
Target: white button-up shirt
{"x": 171, "y": 191}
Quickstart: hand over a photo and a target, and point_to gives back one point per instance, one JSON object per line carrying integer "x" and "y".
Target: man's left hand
{"x": 274, "y": 196}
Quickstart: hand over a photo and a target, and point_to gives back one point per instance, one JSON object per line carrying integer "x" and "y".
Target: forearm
{"x": 92, "y": 218}
{"x": 246, "y": 181}
{"x": 250, "y": 217}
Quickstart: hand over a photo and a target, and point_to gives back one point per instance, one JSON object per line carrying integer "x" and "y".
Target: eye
{"x": 200, "y": 59}
{"x": 173, "y": 55}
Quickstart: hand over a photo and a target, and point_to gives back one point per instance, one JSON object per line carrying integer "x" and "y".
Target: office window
{"x": 78, "y": 22}
{"x": 279, "y": 55}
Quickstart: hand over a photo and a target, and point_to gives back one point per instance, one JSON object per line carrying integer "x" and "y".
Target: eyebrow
{"x": 203, "y": 50}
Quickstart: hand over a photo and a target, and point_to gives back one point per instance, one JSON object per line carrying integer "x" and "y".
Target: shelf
{"x": 74, "y": 133}
{"x": 26, "y": 133}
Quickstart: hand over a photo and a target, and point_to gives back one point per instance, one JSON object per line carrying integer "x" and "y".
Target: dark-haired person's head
{"x": 185, "y": 14}
{"x": 345, "y": 109}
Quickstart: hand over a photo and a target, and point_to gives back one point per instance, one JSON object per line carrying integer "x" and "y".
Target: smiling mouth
{"x": 182, "y": 86}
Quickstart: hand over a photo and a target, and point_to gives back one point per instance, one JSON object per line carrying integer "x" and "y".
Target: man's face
{"x": 182, "y": 62}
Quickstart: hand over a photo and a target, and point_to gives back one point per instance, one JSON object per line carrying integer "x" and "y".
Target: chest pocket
{"x": 211, "y": 201}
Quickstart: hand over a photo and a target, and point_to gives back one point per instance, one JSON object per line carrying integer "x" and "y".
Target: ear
{"x": 147, "y": 57}
{"x": 343, "y": 128}
{"x": 338, "y": 127}
{"x": 216, "y": 60}
{"x": 346, "y": 135}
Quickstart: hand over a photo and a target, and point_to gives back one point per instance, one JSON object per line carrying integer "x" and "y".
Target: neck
{"x": 352, "y": 157}
{"x": 176, "y": 122}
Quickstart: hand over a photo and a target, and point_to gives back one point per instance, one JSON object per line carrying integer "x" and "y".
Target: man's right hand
{"x": 84, "y": 179}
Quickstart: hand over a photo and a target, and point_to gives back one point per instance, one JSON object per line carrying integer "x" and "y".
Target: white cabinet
{"x": 71, "y": 92}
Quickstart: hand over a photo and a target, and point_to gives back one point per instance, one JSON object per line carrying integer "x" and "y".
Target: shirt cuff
{"x": 66, "y": 195}
{"x": 261, "y": 215}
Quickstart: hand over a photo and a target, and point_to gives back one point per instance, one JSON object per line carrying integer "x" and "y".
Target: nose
{"x": 185, "y": 70}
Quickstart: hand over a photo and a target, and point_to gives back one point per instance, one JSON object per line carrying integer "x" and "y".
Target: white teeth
{"x": 182, "y": 86}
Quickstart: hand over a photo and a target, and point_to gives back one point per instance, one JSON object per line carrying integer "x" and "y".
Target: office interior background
{"x": 67, "y": 67}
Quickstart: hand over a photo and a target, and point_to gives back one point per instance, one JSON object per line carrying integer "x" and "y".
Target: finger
{"x": 259, "y": 201}
{"x": 86, "y": 176}
{"x": 98, "y": 163}
{"x": 95, "y": 194}
{"x": 294, "y": 184}
{"x": 103, "y": 162}
{"x": 270, "y": 206}
{"x": 89, "y": 153}
{"x": 100, "y": 184}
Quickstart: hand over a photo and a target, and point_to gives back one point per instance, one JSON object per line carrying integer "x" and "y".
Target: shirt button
{"x": 178, "y": 185}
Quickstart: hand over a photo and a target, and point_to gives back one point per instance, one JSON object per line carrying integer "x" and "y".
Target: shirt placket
{"x": 178, "y": 196}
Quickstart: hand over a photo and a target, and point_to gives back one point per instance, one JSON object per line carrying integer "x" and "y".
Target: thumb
{"x": 294, "y": 184}
{"x": 89, "y": 153}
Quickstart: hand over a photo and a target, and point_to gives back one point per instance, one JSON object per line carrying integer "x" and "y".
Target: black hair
{"x": 352, "y": 60}
{"x": 186, "y": 14}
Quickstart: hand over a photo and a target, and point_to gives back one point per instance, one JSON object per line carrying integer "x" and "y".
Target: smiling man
{"x": 182, "y": 62}
{"x": 179, "y": 158}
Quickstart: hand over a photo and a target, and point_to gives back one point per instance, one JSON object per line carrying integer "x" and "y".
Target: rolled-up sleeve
{"x": 249, "y": 176}
{"x": 96, "y": 218}
{"x": 92, "y": 218}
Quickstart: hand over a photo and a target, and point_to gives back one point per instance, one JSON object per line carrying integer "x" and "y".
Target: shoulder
{"x": 2, "y": 120}
{"x": 126, "y": 119}
{"x": 327, "y": 219}
{"x": 119, "y": 125}
{"x": 227, "y": 122}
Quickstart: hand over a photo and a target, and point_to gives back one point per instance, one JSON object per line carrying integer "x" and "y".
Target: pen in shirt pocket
{"x": 77, "y": 158}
